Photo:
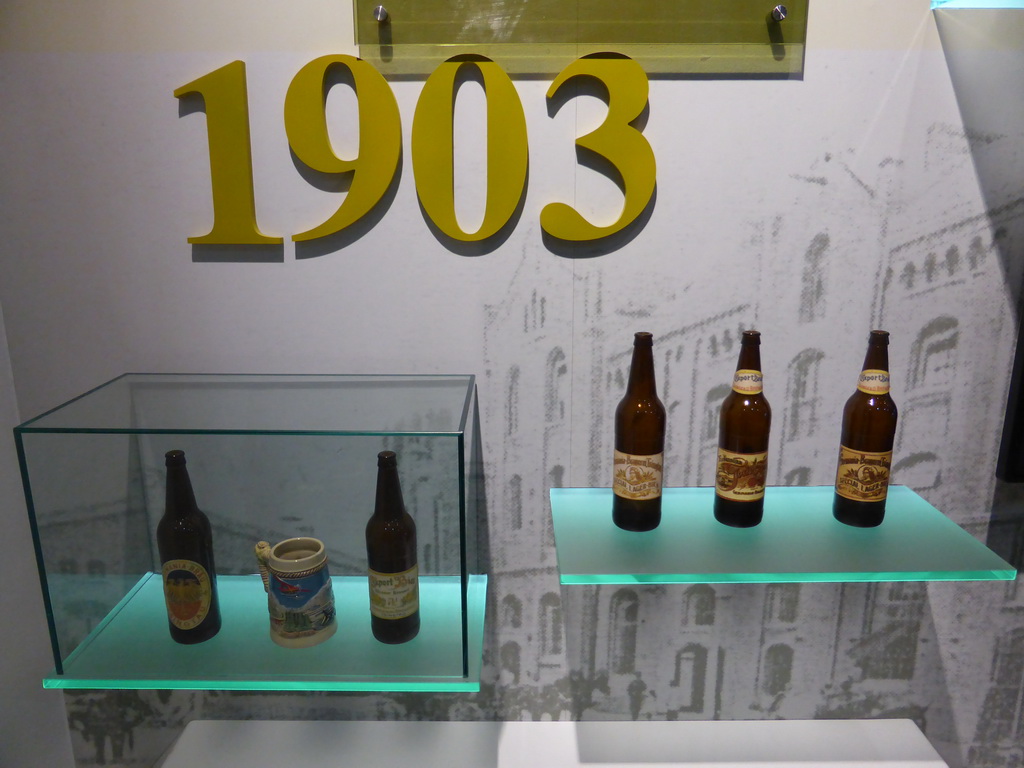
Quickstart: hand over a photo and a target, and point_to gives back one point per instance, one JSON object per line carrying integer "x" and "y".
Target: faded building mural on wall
{"x": 713, "y": 651}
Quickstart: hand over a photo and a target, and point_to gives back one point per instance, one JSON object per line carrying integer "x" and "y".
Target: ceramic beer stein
{"x": 299, "y": 594}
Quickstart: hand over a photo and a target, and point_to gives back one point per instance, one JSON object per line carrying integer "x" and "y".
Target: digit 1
{"x": 227, "y": 126}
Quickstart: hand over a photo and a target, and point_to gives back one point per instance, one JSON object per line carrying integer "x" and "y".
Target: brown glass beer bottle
{"x": 865, "y": 448}
{"x": 743, "y": 426}
{"x": 185, "y": 543}
{"x": 639, "y": 444}
{"x": 391, "y": 555}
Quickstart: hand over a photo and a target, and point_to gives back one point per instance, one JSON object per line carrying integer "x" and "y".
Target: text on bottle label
{"x": 188, "y": 593}
{"x": 638, "y": 477}
{"x": 863, "y": 475}
{"x": 741, "y": 476}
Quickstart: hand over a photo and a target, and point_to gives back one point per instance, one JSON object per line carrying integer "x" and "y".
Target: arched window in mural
{"x": 801, "y": 418}
{"x": 921, "y": 471}
{"x": 1002, "y": 714}
{"x": 712, "y": 408}
{"x": 515, "y": 501}
{"x": 671, "y": 415}
{"x": 976, "y": 251}
{"x": 625, "y": 617}
{"x": 511, "y": 611}
{"x": 690, "y": 674}
{"x": 908, "y": 274}
{"x": 781, "y": 603}
{"x": 512, "y": 401}
{"x": 952, "y": 262}
{"x": 812, "y": 279}
{"x": 510, "y": 655}
{"x": 930, "y": 266}
{"x": 556, "y": 386}
{"x": 699, "y": 606}
{"x": 797, "y": 476}
{"x": 550, "y": 624}
{"x": 888, "y": 649}
{"x": 778, "y": 669}
{"x": 933, "y": 353}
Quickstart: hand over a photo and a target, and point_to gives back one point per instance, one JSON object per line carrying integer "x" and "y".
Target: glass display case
{"x": 797, "y": 541}
{"x": 270, "y": 457}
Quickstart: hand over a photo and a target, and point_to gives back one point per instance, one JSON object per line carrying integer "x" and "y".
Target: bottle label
{"x": 395, "y": 595}
{"x": 873, "y": 382}
{"x": 741, "y": 476}
{"x": 188, "y": 593}
{"x": 638, "y": 477}
{"x": 863, "y": 475}
{"x": 747, "y": 382}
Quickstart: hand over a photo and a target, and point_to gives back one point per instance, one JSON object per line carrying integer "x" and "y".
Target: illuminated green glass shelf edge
{"x": 798, "y": 541}
{"x": 132, "y": 649}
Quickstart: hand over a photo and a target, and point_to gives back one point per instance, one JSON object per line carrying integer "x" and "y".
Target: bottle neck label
{"x": 395, "y": 595}
{"x": 741, "y": 476}
{"x": 747, "y": 382}
{"x": 638, "y": 477}
{"x": 873, "y": 382}
{"x": 188, "y": 592}
{"x": 863, "y": 475}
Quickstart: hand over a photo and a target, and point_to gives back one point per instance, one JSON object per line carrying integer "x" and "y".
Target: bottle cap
{"x": 643, "y": 339}
{"x": 751, "y": 337}
{"x": 878, "y": 337}
{"x": 174, "y": 458}
{"x": 387, "y": 459}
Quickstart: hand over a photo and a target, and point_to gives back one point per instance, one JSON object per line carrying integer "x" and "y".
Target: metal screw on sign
{"x": 380, "y": 13}
{"x": 779, "y": 12}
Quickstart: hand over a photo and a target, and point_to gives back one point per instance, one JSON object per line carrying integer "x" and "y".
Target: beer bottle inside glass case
{"x": 185, "y": 543}
{"x": 392, "y": 559}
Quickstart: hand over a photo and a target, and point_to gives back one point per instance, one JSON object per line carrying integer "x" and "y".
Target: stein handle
{"x": 262, "y": 556}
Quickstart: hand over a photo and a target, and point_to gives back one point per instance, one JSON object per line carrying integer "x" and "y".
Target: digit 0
{"x": 433, "y": 150}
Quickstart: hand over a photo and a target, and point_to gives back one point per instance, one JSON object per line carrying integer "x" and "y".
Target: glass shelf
{"x": 270, "y": 457}
{"x": 131, "y": 648}
{"x": 739, "y": 37}
{"x": 798, "y": 541}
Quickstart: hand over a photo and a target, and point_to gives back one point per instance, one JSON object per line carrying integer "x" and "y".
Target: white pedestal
{"x": 690, "y": 744}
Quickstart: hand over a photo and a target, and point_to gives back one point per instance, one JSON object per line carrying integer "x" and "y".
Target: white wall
{"x": 866, "y": 156}
{"x": 33, "y": 724}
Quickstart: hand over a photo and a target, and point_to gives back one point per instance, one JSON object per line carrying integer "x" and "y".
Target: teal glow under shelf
{"x": 798, "y": 541}
{"x": 132, "y": 649}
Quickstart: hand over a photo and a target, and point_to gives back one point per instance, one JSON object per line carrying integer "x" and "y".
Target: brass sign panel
{"x": 702, "y": 37}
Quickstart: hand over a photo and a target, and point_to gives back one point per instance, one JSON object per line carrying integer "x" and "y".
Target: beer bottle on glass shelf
{"x": 639, "y": 444}
{"x": 391, "y": 554}
{"x": 865, "y": 448}
{"x": 743, "y": 426}
{"x": 185, "y": 543}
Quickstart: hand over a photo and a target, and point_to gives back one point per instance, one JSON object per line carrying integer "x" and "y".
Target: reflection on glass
{"x": 270, "y": 457}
